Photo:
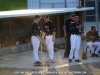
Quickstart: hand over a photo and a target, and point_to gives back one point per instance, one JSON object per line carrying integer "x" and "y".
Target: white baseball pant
{"x": 75, "y": 46}
{"x": 35, "y": 43}
{"x": 97, "y": 44}
{"x": 50, "y": 46}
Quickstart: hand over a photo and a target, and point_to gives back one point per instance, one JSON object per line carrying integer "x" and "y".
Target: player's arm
{"x": 88, "y": 37}
{"x": 78, "y": 27}
{"x": 64, "y": 29}
{"x": 43, "y": 33}
{"x": 35, "y": 31}
{"x": 38, "y": 37}
{"x": 82, "y": 29}
{"x": 54, "y": 34}
{"x": 54, "y": 31}
{"x": 97, "y": 36}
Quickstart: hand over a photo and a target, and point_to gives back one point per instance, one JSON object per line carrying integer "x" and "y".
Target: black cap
{"x": 92, "y": 27}
{"x": 36, "y": 16}
{"x": 45, "y": 16}
{"x": 72, "y": 14}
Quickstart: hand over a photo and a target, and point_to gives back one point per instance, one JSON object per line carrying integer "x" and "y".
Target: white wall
{"x": 34, "y": 4}
{"x": 72, "y": 3}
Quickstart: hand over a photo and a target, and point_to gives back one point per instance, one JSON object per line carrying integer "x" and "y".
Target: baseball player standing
{"x": 66, "y": 29}
{"x": 75, "y": 39}
{"x": 35, "y": 39}
{"x": 50, "y": 32}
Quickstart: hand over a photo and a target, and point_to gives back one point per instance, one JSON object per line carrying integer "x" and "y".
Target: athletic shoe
{"x": 96, "y": 55}
{"x": 92, "y": 55}
{"x": 37, "y": 62}
{"x": 70, "y": 60}
{"x": 99, "y": 52}
{"x": 77, "y": 60}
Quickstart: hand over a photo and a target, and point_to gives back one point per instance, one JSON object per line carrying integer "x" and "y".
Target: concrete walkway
{"x": 22, "y": 64}
{"x": 25, "y": 60}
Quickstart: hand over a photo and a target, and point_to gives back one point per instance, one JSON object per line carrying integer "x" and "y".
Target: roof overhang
{"x": 32, "y": 12}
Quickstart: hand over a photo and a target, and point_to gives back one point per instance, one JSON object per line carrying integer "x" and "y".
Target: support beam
{"x": 58, "y": 26}
{"x": 9, "y": 30}
{"x": 96, "y": 14}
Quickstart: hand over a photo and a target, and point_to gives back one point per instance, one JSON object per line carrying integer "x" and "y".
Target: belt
{"x": 75, "y": 34}
{"x": 35, "y": 35}
{"x": 48, "y": 34}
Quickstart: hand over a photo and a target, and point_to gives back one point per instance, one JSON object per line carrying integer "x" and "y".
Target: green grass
{"x": 6, "y": 5}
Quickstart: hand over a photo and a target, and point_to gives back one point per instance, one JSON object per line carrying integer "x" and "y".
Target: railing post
{"x": 65, "y": 4}
{"x": 53, "y": 5}
{"x": 96, "y": 14}
{"x": 39, "y": 4}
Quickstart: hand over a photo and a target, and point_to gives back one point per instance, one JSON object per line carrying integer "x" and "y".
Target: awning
{"x": 32, "y": 12}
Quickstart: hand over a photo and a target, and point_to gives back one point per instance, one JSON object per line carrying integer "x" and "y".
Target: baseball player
{"x": 75, "y": 39}
{"x": 35, "y": 39}
{"x": 50, "y": 32}
{"x": 66, "y": 29}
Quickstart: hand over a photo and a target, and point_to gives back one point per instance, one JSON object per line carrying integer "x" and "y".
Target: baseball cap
{"x": 72, "y": 14}
{"x": 45, "y": 16}
{"x": 36, "y": 16}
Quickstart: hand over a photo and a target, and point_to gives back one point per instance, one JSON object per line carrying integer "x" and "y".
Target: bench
{"x": 90, "y": 50}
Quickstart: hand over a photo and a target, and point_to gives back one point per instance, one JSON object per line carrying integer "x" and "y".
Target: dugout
{"x": 16, "y": 25}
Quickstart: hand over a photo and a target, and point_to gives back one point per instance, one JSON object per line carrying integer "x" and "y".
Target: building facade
{"x": 91, "y": 14}
{"x": 88, "y": 15}
{"x": 35, "y": 4}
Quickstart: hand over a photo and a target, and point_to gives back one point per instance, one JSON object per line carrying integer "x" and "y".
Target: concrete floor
{"x": 25, "y": 60}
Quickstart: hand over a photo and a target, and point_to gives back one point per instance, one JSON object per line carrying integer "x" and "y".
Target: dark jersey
{"x": 49, "y": 27}
{"x": 73, "y": 28}
{"x": 67, "y": 24}
{"x": 35, "y": 29}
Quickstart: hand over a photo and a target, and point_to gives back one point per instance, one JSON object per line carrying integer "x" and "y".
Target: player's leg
{"x": 68, "y": 46}
{"x": 48, "y": 44}
{"x": 35, "y": 43}
{"x": 77, "y": 48}
{"x": 97, "y": 49}
{"x": 73, "y": 44}
{"x": 51, "y": 48}
{"x": 90, "y": 44}
{"x": 67, "y": 49}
